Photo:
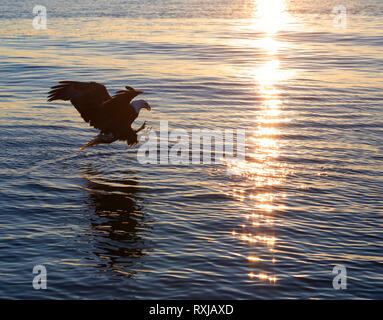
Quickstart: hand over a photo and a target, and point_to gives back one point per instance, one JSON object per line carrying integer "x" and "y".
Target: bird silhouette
{"x": 112, "y": 115}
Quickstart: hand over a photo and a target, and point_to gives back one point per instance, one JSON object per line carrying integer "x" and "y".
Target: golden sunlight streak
{"x": 262, "y": 165}
{"x": 253, "y": 259}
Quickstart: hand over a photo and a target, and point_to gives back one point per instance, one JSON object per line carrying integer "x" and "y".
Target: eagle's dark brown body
{"x": 112, "y": 115}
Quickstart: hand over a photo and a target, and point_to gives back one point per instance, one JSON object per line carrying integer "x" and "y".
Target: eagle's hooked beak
{"x": 148, "y": 107}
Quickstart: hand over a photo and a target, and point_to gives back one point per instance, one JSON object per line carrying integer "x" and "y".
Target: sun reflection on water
{"x": 270, "y": 15}
{"x": 262, "y": 165}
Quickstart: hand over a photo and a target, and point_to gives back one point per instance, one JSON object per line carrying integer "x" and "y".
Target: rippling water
{"x": 307, "y": 197}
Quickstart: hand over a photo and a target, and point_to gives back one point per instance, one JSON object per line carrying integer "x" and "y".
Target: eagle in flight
{"x": 112, "y": 115}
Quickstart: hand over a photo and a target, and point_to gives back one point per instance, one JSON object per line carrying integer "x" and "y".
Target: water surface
{"x": 306, "y": 198}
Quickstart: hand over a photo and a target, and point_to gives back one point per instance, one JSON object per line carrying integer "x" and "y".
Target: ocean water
{"x": 305, "y": 84}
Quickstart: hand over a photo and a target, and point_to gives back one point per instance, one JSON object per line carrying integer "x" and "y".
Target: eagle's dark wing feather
{"x": 87, "y": 98}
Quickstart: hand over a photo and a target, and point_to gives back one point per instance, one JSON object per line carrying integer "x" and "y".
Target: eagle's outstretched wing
{"x": 87, "y": 98}
{"x": 103, "y": 112}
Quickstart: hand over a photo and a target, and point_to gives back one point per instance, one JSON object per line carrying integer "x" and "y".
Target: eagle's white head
{"x": 139, "y": 104}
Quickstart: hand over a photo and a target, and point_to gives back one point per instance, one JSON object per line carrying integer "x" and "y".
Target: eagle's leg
{"x": 101, "y": 138}
{"x": 141, "y": 128}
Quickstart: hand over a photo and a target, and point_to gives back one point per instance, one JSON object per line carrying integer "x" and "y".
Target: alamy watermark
{"x": 340, "y": 280}
{"x": 340, "y": 19}
{"x": 40, "y": 280}
{"x": 179, "y": 147}
{"x": 40, "y": 19}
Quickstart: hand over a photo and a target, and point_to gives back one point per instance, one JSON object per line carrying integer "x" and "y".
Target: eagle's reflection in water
{"x": 118, "y": 224}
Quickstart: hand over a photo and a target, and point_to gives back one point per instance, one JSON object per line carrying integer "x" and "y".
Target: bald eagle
{"x": 112, "y": 115}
